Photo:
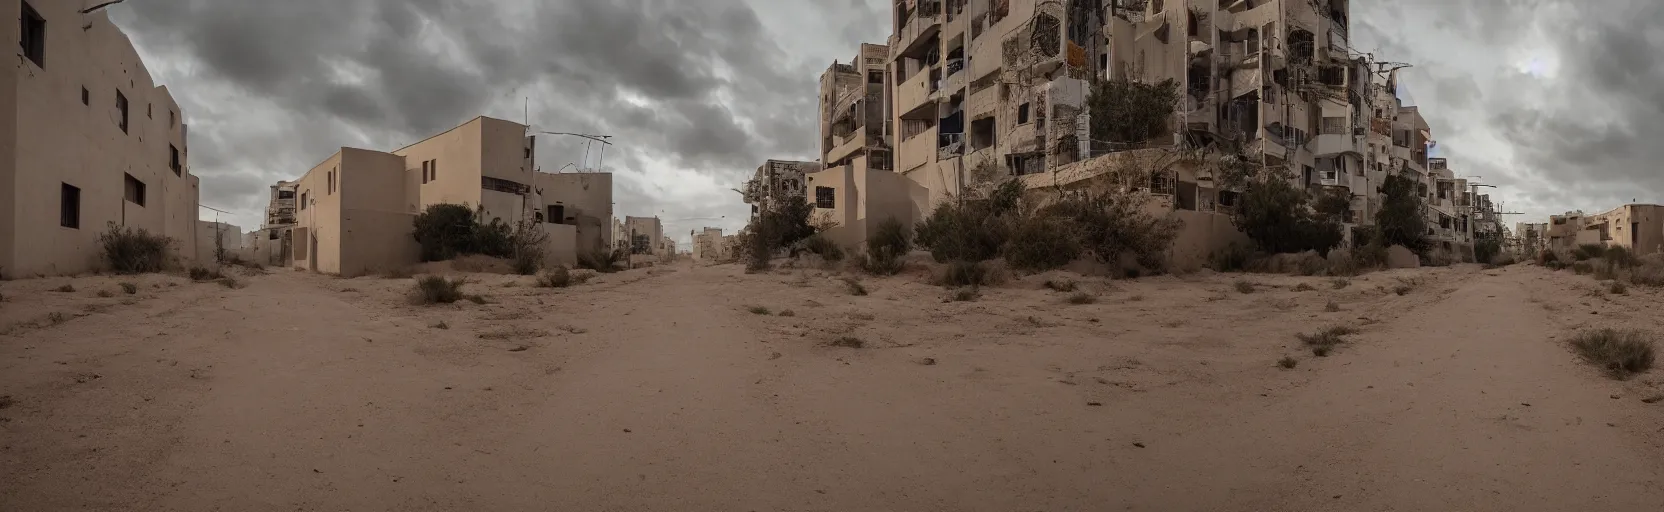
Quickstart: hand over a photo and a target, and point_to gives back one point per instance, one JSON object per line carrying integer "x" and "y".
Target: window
{"x": 69, "y": 205}
{"x": 285, "y": 194}
{"x": 875, "y": 77}
{"x": 86, "y": 96}
{"x": 149, "y": 110}
{"x": 1227, "y": 198}
{"x": 133, "y": 190}
{"x": 425, "y": 172}
{"x": 557, "y": 213}
{"x": 433, "y": 169}
{"x": 173, "y": 161}
{"x": 502, "y": 185}
{"x": 330, "y": 181}
{"x": 173, "y": 118}
{"x": 826, "y": 197}
{"x": 121, "y": 104}
{"x": 1022, "y": 114}
{"x": 303, "y": 200}
{"x": 34, "y": 36}
{"x": 1334, "y": 125}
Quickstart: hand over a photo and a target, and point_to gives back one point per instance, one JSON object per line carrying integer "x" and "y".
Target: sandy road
{"x": 661, "y": 392}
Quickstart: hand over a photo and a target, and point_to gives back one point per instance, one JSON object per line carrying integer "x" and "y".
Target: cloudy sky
{"x": 1552, "y": 101}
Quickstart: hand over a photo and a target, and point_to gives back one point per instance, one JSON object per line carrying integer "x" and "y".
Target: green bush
{"x": 1041, "y": 243}
{"x": 1588, "y": 251}
{"x": 438, "y": 290}
{"x": 965, "y": 273}
{"x": 780, "y": 226}
{"x": 823, "y": 246}
{"x": 1620, "y": 256}
{"x": 133, "y": 251}
{"x": 1487, "y": 250}
{"x": 971, "y": 230}
{"x": 1279, "y": 219}
{"x": 1115, "y": 226}
{"x": 1400, "y": 221}
{"x": 444, "y": 231}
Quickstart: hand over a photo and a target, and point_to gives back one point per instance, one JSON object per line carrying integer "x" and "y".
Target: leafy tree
{"x": 444, "y": 231}
{"x": 1399, "y": 221}
{"x": 1279, "y": 218}
{"x": 1129, "y": 111}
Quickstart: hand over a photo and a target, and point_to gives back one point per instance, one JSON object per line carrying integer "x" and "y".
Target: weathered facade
{"x": 1637, "y": 227}
{"x": 355, "y": 210}
{"x": 87, "y": 140}
{"x": 777, "y": 180}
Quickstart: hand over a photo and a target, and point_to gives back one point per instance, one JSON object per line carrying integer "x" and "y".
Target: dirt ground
{"x": 659, "y": 389}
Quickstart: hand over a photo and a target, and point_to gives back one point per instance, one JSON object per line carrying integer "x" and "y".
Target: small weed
{"x": 1326, "y": 340}
{"x": 848, "y": 342}
{"x": 230, "y": 282}
{"x": 440, "y": 325}
{"x": 1243, "y": 286}
{"x": 1304, "y": 287}
{"x": 1404, "y": 286}
{"x": 204, "y": 274}
{"x": 759, "y": 310}
{"x": 1332, "y": 307}
{"x": 65, "y": 288}
{"x": 1288, "y": 363}
{"x": 1618, "y": 288}
{"x": 965, "y": 295}
{"x": 1621, "y": 353}
{"x": 855, "y": 287}
{"x": 105, "y": 294}
{"x": 1061, "y": 286}
{"x": 787, "y": 312}
{"x": 1082, "y": 298}
{"x": 349, "y": 290}
{"x": 56, "y": 318}
{"x": 129, "y": 288}
{"x": 1135, "y": 298}
{"x": 1340, "y": 283}
{"x": 478, "y": 299}
{"x": 559, "y": 277}
{"x": 865, "y": 317}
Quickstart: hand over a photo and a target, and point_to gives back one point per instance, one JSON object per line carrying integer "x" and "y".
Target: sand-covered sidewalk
{"x": 660, "y": 389}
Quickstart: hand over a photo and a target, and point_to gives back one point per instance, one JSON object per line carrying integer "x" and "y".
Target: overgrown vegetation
{"x": 445, "y": 231}
{"x": 560, "y": 277}
{"x": 1586, "y": 252}
{"x": 855, "y": 287}
{"x": 205, "y": 274}
{"x": 1487, "y": 250}
{"x": 759, "y": 310}
{"x": 133, "y": 250}
{"x": 601, "y": 260}
{"x": 1279, "y": 218}
{"x": 886, "y": 246}
{"x": 965, "y": 294}
{"x": 1400, "y": 221}
{"x": 438, "y": 290}
{"x": 779, "y": 226}
{"x": 823, "y": 246}
{"x": 965, "y": 273}
{"x": 1081, "y": 298}
{"x": 1126, "y": 111}
{"x": 1620, "y": 352}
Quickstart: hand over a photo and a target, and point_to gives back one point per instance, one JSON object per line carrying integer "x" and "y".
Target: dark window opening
{"x": 173, "y": 161}
{"x": 33, "y": 38}
{"x": 425, "y": 177}
{"x": 825, "y": 197}
{"x": 303, "y": 200}
{"x": 557, "y": 213}
{"x": 150, "y": 110}
{"x": 86, "y": 96}
{"x": 69, "y": 205}
{"x": 875, "y": 77}
{"x": 121, "y": 105}
{"x": 134, "y": 190}
{"x": 502, "y": 185}
{"x": 1022, "y": 114}
{"x": 1227, "y": 198}
{"x": 285, "y": 194}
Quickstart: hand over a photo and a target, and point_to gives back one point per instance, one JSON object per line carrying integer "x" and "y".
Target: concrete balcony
{"x": 846, "y": 146}
{"x": 914, "y": 93}
{"x": 916, "y": 151}
{"x": 1333, "y": 144}
{"x": 918, "y": 30}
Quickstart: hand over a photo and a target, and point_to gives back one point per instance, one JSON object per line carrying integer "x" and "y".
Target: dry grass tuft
{"x": 105, "y": 294}
{"x": 1060, "y": 285}
{"x": 1331, "y": 307}
{"x": 68, "y": 288}
{"x": 1621, "y": 352}
{"x": 787, "y": 312}
{"x": 855, "y": 287}
{"x": 759, "y": 310}
{"x": 438, "y": 290}
{"x": 129, "y": 288}
{"x": 848, "y": 342}
{"x": 1243, "y": 286}
{"x": 1322, "y": 342}
{"x": 1341, "y": 283}
{"x": 1304, "y": 287}
{"x": 1288, "y": 363}
{"x": 964, "y": 295}
{"x": 1082, "y": 298}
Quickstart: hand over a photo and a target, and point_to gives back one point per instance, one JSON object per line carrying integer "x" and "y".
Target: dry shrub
{"x": 129, "y": 288}
{"x": 1588, "y": 251}
{"x": 105, "y": 294}
{"x": 1341, "y": 283}
{"x": 205, "y": 274}
{"x": 1305, "y": 287}
{"x": 1288, "y": 363}
{"x": 132, "y": 251}
{"x": 1648, "y": 271}
{"x": 1060, "y": 285}
{"x": 1438, "y": 257}
{"x": 855, "y": 287}
{"x": 965, "y": 295}
{"x": 1618, "y": 288}
{"x": 968, "y": 273}
{"x": 885, "y": 248}
{"x": 1041, "y": 243}
{"x": 1620, "y": 352}
{"x": 759, "y": 310}
{"x": 823, "y": 246}
{"x": 848, "y": 342}
{"x": 1326, "y": 340}
{"x": 67, "y": 288}
{"x": 439, "y": 290}
{"x": 1082, "y": 298}
{"x": 231, "y": 282}
{"x": 1243, "y": 286}
{"x": 600, "y": 260}
{"x": 561, "y": 277}
{"x": 399, "y": 273}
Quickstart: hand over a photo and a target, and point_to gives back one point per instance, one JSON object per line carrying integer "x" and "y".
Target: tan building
{"x": 1529, "y": 238}
{"x": 1564, "y": 231}
{"x": 211, "y": 237}
{"x": 708, "y": 245}
{"x": 857, "y": 188}
{"x": 86, "y": 140}
{"x": 356, "y": 208}
{"x": 1637, "y": 227}
{"x": 645, "y": 235}
{"x": 777, "y": 180}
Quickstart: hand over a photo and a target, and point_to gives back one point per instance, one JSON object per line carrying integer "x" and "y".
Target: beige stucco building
{"x": 212, "y": 236}
{"x": 708, "y": 245}
{"x": 87, "y": 140}
{"x": 1637, "y": 227}
{"x": 355, "y": 209}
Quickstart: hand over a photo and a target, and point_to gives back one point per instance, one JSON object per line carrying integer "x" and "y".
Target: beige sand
{"x": 658, "y": 390}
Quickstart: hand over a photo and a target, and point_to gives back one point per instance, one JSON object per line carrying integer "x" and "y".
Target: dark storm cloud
{"x": 1583, "y": 136}
{"x": 698, "y": 85}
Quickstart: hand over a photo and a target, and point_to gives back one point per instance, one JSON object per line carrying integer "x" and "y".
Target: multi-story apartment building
{"x": 355, "y": 210}
{"x": 777, "y": 180}
{"x": 708, "y": 245}
{"x": 87, "y": 135}
{"x": 1564, "y": 230}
